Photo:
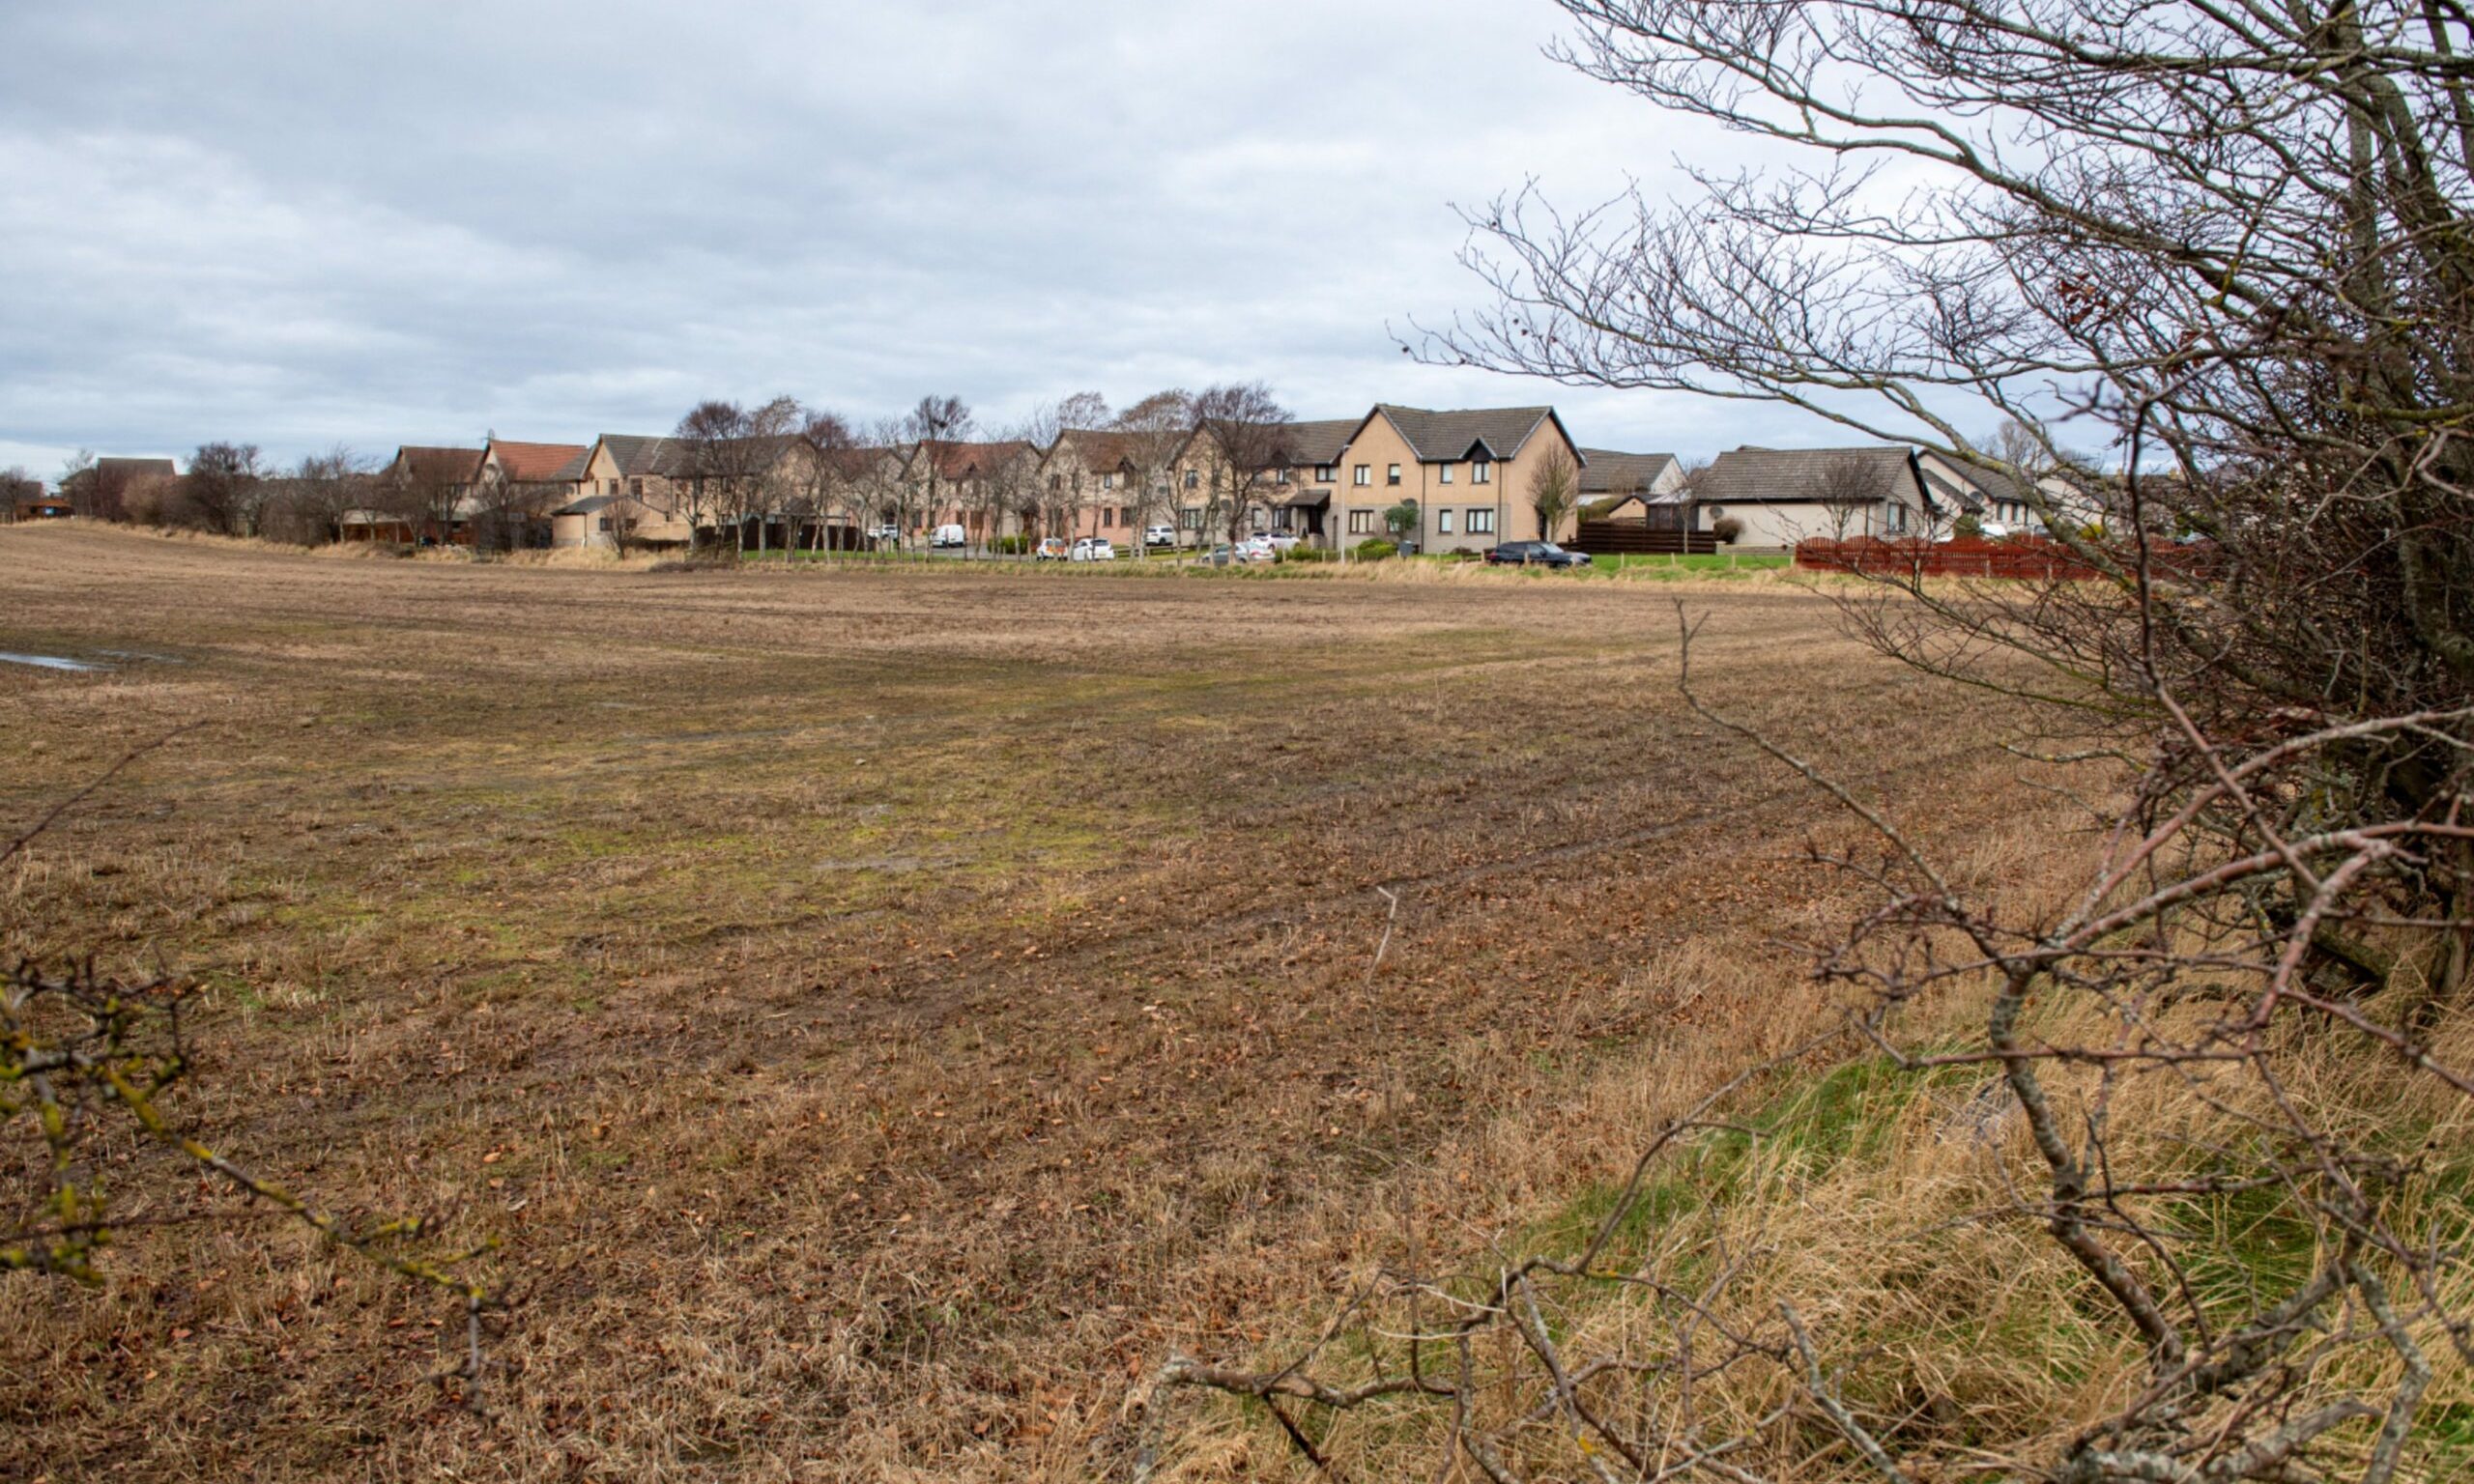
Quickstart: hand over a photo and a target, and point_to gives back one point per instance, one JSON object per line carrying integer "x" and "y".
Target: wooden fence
{"x": 1631, "y": 538}
{"x": 2026, "y": 558}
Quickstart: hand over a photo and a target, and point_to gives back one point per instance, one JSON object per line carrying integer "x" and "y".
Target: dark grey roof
{"x": 1446, "y": 437}
{"x": 1989, "y": 484}
{"x": 668, "y": 457}
{"x": 1609, "y": 472}
{"x": 134, "y": 469}
{"x": 1322, "y": 440}
{"x": 641, "y": 455}
{"x": 1759, "y": 475}
{"x": 1956, "y": 494}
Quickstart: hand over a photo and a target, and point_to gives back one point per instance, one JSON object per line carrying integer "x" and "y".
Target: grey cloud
{"x": 297, "y": 224}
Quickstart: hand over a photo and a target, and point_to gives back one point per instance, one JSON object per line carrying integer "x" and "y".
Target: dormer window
{"x": 1480, "y": 471}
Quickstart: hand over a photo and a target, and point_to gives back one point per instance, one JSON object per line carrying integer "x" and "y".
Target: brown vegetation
{"x": 882, "y": 1015}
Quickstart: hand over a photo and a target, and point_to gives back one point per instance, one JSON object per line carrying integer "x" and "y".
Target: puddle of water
{"x": 49, "y": 662}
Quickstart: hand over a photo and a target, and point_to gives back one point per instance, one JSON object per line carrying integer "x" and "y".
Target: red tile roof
{"x": 446, "y": 466}
{"x": 538, "y": 463}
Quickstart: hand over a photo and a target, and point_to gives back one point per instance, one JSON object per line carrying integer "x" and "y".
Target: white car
{"x": 1281, "y": 540}
{"x": 1160, "y": 535}
{"x": 885, "y": 533}
{"x": 947, "y": 537}
{"x": 1258, "y": 549}
{"x": 1094, "y": 549}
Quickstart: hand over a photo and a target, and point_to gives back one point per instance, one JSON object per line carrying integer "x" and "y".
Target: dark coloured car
{"x": 1534, "y": 553}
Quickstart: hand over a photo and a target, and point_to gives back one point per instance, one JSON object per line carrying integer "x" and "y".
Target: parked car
{"x": 885, "y": 533}
{"x": 947, "y": 537}
{"x": 1534, "y": 553}
{"x": 1051, "y": 548}
{"x": 1160, "y": 535}
{"x": 1281, "y": 540}
{"x": 1094, "y": 549}
{"x": 1220, "y": 555}
{"x": 1258, "y": 549}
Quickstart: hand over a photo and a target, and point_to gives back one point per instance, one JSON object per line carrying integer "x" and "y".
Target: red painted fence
{"x": 2022, "y": 557}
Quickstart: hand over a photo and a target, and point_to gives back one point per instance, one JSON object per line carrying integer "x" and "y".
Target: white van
{"x": 946, "y": 535}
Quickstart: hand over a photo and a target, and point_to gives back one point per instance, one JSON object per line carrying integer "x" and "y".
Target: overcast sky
{"x": 297, "y": 224}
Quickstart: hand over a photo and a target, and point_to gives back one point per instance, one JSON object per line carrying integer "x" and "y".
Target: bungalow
{"x": 1778, "y": 497}
{"x": 40, "y": 506}
{"x": 1639, "y": 488}
{"x": 2003, "y": 501}
{"x": 1469, "y": 471}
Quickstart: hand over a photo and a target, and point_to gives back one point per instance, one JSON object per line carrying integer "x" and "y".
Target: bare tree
{"x": 928, "y": 433}
{"x": 2234, "y": 242}
{"x": 77, "y": 484}
{"x": 703, "y": 486}
{"x": 1252, "y": 437}
{"x": 882, "y": 486}
{"x": 223, "y": 488}
{"x": 1554, "y": 488}
{"x": 827, "y": 475}
{"x": 1154, "y": 432}
{"x": 1083, "y": 411}
{"x": 308, "y": 507}
{"x": 16, "y": 485}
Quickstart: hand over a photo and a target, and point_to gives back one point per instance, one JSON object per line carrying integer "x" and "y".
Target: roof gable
{"x": 446, "y": 466}
{"x": 1873, "y": 473}
{"x": 1452, "y": 437}
{"x": 538, "y": 463}
{"x": 1607, "y": 471}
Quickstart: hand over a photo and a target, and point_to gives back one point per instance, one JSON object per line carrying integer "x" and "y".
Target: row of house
{"x": 1457, "y": 480}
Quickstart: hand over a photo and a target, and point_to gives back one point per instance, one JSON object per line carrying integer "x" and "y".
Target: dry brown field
{"x": 877, "y": 1015}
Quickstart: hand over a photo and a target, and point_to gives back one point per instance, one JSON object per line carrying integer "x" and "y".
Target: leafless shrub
{"x": 2226, "y": 1088}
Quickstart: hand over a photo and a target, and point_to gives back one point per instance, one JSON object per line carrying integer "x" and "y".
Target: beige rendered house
{"x": 1303, "y": 492}
{"x": 1468, "y": 471}
{"x": 624, "y": 497}
{"x": 1783, "y": 496}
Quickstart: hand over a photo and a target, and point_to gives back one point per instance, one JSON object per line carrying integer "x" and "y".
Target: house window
{"x": 1442, "y": 521}
{"x": 1391, "y": 473}
{"x": 1323, "y": 474}
{"x": 1481, "y": 521}
{"x": 636, "y": 487}
{"x": 1191, "y": 517}
{"x": 1361, "y": 522}
{"x": 1193, "y": 479}
{"x": 605, "y": 523}
{"x": 1107, "y": 516}
{"x": 1055, "y": 482}
{"x": 1107, "y": 481}
{"x": 1443, "y": 474}
{"x": 1480, "y": 471}
{"x": 1361, "y": 475}
{"x": 1280, "y": 478}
